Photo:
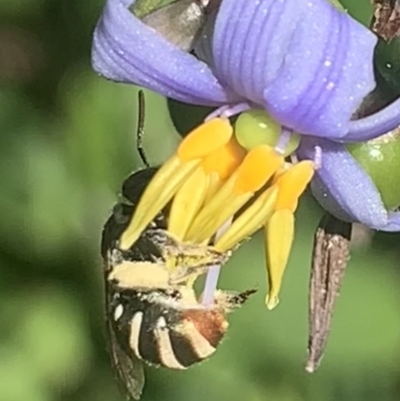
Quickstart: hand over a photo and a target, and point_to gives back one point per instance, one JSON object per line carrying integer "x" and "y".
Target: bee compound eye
{"x": 120, "y": 213}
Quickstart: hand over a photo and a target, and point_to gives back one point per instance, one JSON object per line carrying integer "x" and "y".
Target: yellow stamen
{"x": 257, "y": 168}
{"x": 249, "y": 221}
{"x": 187, "y": 203}
{"x": 282, "y": 170}
{"x": 279, "y": 237}
{"x": 220, "y": 164}
{"x": 214, "y": 186}
{"x": 221, "y": 207}
{"x": 158, "y": 193}
{"x": 225, "y": 160}
{"x": 293, "y": 183}
{"x": 202, "y": 141}
{"x": 205, "y": 139}
{"x": 280, "y": 228}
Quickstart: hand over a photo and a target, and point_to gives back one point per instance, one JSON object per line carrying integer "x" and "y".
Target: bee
{"x": 153, "y": 315}
{"x": 181, "y": 21}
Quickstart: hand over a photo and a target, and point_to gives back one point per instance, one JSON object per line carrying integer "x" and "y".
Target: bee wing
{"x": 128, "y": 368}
{"x": 179, "y": 22}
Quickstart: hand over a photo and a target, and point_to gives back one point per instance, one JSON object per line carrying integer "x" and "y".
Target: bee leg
{"x": 229, "y": 300}
{"x": 185, "y": 259}
{"x": 188, "y": 274}
{"x": 242, "y": 297}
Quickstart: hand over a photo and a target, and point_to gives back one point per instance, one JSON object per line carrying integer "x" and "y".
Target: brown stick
{"x": 330, "y": 257}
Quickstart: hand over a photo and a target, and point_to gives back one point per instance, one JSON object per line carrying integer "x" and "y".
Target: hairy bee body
{"x": 164, "y": 327}
{"x": 153, "y": 315}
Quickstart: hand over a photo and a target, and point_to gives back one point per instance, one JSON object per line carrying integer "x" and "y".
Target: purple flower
{"x": 308, "y": 64}
{"x": 304, "y": 62}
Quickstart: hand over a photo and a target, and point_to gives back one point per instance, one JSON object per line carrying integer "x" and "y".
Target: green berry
{"x": 256, "y": 127}
{"x": 380, "y": 158}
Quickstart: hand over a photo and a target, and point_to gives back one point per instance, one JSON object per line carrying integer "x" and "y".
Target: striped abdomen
{"x": 156, "y": 327}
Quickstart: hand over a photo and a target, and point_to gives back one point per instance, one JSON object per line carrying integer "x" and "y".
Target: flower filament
{"x": 231, "y": 177}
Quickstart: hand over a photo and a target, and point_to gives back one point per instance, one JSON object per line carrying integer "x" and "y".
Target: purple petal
{"x": 126, "y": 50}
{"x": 251, "y": 38}
{"x": 394, "y": 222}
{"x": 307, "y": 63}
{"x": 374, "y": 125}
{"x": 343, "y": 188}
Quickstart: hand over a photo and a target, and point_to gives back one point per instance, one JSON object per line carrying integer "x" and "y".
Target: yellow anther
{"x": 217, "y": 211}
{"x": 292, "y": 184}
{"x": 205, "y": 139}
{"x": 158, "y": 193}
{"x": 257, "y": 168}
{"x": 214, "y": 186}
{"x": 252, "y": 219}
{"x": 187, "y": 203}
{"x": 224, "y": 160}
{"x": 279, "y": 237}
{"x": 281, "y": 170}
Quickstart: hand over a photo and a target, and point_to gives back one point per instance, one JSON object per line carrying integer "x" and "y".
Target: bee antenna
{"x": 140, "y": 128}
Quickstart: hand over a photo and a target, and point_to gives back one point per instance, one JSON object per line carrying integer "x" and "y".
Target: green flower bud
{"x": 256, "y": 127}
{"x": 380, "y": 158}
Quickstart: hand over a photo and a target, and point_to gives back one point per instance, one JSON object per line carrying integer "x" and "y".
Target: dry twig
{"x": 330, "y": 256}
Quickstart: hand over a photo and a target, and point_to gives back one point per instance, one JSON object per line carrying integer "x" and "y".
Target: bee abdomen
{"x": 179, "y": 343}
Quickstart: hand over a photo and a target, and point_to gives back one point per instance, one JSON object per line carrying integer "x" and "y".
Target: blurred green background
{"x": 67, "y": 141}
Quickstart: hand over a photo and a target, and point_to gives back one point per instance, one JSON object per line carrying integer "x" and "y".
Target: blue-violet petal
{"x": 343, "y": 188}
{"x": 126, "y": 50}
{"x": 309, "y": 64}
{"x": 375, "y": 125}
